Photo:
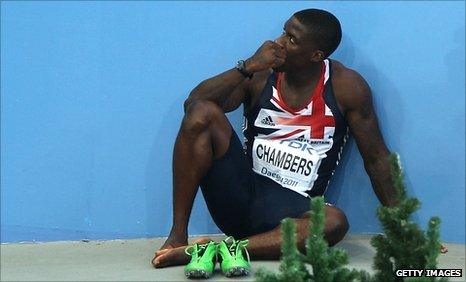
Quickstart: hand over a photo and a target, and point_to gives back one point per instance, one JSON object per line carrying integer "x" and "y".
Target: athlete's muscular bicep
{"x": 363, "y": 123}
{"x": 224, "y": 89}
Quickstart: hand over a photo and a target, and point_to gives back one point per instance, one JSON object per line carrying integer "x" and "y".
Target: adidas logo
{"x": 268, "y": 120}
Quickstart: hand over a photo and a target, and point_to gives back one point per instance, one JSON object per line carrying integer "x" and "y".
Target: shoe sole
{"x": 197, "y": 274}
{"x": 237, "y": 271}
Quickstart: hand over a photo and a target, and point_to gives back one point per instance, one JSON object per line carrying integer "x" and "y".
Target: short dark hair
{"x": 323, "y": 27}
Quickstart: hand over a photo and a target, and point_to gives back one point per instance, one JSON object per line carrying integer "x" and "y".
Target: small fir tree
{"x": 404, "y": 245}
{"x": 292, "y": 267}
{"x": 327, "y": 263}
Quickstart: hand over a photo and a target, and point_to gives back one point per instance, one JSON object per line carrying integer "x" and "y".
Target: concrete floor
{"x": 129, "y": 260}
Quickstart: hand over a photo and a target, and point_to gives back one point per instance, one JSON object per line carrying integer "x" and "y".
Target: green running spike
{"x": 203, "y": 260}
{"x": 231, "y": 256}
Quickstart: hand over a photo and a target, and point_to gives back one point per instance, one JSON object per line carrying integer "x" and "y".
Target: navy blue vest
{"x": 297, "y": 148}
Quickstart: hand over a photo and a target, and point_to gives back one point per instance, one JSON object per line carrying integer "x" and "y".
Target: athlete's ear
{"x": 317, "y": 56}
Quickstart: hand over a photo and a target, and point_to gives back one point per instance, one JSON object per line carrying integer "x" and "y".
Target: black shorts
{"x": 243, "y": 203}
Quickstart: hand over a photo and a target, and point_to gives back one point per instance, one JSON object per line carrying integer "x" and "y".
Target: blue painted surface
{"x": 92, "y": 92}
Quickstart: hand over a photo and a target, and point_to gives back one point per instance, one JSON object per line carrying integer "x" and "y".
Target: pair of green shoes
{"x": 229, "y": 253}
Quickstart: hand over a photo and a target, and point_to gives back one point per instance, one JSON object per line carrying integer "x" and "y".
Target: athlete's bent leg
{"x": 203, "y": 137}
{"x": 268, "y": 245}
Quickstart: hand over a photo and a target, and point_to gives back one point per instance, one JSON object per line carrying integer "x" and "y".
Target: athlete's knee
{"x": 336, "y": 226}
{"x": 199, "y": 115}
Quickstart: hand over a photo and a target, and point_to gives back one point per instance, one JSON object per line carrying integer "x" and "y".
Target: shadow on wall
{"x": 350, "y": 188}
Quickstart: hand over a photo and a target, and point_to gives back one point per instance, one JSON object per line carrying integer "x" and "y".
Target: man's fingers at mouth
{"x": 279, "y": 62}
{"x": 280, "y": 54}
{"x": 278, "y": 44}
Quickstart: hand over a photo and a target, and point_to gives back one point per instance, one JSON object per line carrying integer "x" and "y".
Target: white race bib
{"x": 291, "y": 163}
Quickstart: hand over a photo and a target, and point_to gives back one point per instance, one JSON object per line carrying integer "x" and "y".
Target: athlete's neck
{"x": 303, "y": 79}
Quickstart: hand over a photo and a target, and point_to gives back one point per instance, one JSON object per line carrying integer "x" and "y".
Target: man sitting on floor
{"x": 299, "y": 108}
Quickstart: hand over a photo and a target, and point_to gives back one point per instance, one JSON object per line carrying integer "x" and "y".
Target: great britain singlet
{"x": 297, "y": 148}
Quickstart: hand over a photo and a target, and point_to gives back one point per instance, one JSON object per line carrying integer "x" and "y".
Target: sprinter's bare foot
{"x": 174, "y": 241}
{"x": 174, "y": 255}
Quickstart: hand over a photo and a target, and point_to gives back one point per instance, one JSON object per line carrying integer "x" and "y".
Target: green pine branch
{"x": 404, "y": 244}
{"x": 316, "y": 246}
{"x": 292, "y": 267}
{"x": 328, "y": 264}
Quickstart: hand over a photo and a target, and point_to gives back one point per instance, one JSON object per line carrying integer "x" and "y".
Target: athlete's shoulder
{"x": 346, "y": 78}
{"x": 349, "y": 86}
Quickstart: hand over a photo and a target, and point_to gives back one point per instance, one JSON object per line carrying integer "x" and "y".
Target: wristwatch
{"x": 241, "y": 67}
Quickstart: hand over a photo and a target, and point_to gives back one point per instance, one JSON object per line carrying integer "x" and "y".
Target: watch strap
{"x": 241, "y": 67}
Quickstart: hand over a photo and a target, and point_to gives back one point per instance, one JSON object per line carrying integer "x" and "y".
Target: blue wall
{"x": 92, "y": 92}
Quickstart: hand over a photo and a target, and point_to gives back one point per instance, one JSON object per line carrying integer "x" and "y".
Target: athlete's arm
{"x": 356, "y": 100}
{"x": 362, "y": 120}
{"x": 229, "y": 89}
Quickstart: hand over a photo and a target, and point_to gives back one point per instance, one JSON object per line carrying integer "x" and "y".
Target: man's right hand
{"x": 269, "y": 55}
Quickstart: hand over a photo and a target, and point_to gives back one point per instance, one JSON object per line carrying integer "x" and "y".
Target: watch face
{"x": 240, "y": 65}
